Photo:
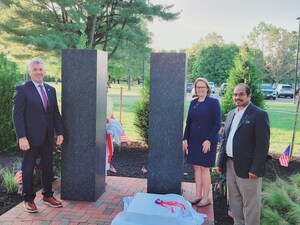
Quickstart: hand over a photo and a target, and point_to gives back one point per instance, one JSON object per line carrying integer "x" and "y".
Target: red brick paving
{"x": 100, "y": 212}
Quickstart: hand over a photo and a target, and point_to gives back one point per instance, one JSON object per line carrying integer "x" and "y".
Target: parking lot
{"x": 216, "y": 95}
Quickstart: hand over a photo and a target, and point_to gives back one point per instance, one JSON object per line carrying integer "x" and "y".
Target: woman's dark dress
{"x": 203, "y": 123}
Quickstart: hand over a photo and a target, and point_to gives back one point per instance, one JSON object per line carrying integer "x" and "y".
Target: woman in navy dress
{"x": 201, "y": 138}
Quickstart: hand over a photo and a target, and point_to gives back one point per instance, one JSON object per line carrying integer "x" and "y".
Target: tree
{"x": 106, "y": 24}
{"x": 214, "y": 62}
{"x": 244, "y": 71}
{"x": 209, "y": 39}
{"x": 141, "y": 119}
{"x": 129, "y": 62}
{"x": 9, "y": 77}
{"x": 42, "y": 28}
{"x": 278, "y": 46}
{"x": 2, "y": 5}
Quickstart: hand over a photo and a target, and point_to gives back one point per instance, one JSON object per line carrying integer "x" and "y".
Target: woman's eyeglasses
{"x": 201, "y": 87}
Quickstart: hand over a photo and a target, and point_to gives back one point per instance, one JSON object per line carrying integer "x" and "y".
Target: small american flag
{"x": 230, "y": 213}
{"x": 144, "y": 170}
{"x": 18, "y": 177}
{"x": 124, "y": 138}
{"x": 285, "y": 157}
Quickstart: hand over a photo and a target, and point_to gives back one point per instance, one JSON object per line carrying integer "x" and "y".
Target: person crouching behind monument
{"x": 36, "y": 120}
{"x": 114, "y": 132}
{"x": 201, "y": 138}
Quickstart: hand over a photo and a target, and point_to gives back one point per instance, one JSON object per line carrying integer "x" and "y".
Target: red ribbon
{"x": 170, "y": 204}
{"x": 110, "y": 148}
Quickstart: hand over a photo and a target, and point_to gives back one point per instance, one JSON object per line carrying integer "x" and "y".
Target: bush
{"x": 9, "y": 77}
{"x": 280, "y": 202}
{"x": 245, "y": 71}
{"x": 9, "y": 182}
{"x": 141, "y": 119}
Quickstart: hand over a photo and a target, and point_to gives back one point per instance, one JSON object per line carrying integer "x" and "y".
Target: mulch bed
{"x": 128, "y": 160}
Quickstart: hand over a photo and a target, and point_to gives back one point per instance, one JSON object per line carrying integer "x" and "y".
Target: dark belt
{"x": 228, "y": 157}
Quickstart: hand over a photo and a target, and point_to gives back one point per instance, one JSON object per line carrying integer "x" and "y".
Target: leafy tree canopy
{"x": 39, "y": 28}
{"x": 279, "y": 48}
{"x": 56, "y": 24}
{"x": 209, "y": 39}
{"x": 214, "y": 62}
{"x": 130, "y": 63}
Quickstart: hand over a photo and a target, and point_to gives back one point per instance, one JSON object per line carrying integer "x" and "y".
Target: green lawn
{"x": 115, "y": 89}
{"x": 282, "y": 116}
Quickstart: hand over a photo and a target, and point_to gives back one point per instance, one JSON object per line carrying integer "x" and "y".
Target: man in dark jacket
{"x": 37, "y": 120}
{"x": 243, "y": 154}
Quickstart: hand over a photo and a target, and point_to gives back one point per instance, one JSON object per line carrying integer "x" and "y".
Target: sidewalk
{"x": 100, "y": 212}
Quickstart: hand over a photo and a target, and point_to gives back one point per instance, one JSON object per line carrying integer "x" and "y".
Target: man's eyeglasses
{"x": 242, "y": 94}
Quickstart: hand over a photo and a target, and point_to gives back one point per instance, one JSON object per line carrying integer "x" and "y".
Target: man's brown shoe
{"x": 30, "y": 207}
{"x": 52, "y": 202}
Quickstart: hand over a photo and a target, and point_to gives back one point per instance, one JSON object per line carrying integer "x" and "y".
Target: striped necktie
{"x": 45, "y": 100}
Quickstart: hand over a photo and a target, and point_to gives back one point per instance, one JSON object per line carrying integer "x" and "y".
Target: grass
{"x": 281, "y": 201}
{"x": 9, "y": 182}
{"x": 127, "y": 117}
{"x": 115, "y": 89}
{"x": 282, "y": 116}
{"x": 127, "y": 114}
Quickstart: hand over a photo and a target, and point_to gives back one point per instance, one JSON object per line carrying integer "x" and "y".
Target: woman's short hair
{"x": 206, "y": 83}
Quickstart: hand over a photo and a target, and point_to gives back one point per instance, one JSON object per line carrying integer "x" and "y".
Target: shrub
{"x": 296, "y": 180}
{"x": 271, "y": 217}
{"x": 280, "y": 202}
{"x": 245, "y": 71}
{"x": 141, "y": 119}
{"x": 57, "y": 162}
{"x": 9, "y": 182}
{"x": 219, "y": 182}
{"x": 8, "y": 79}
{"x": 293, "y": 216}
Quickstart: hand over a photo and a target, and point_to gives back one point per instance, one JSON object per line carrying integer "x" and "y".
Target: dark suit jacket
{"x": 30, "y": 118}
{"x": 250, "y": 142}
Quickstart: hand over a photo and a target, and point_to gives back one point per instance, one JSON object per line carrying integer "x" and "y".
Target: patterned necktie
{"x": 45, "y": 100}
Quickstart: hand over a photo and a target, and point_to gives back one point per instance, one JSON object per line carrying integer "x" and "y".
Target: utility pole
{"x": 297, "y": 56}
{"x": 295, "y": 125}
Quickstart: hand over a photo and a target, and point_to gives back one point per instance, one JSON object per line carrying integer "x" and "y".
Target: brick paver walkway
{"x": 100, "y": 212}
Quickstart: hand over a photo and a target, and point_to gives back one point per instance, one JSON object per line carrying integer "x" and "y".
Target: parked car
{"x": 275, "y": 86}
{"x": 297, "y": 89}
{"x": 222, "y": 89}
{"x": 212, "y": 86}
{"x": 268, "y": 91}
{"x": 284, "y": 90}
{"x": 189, "y": 87}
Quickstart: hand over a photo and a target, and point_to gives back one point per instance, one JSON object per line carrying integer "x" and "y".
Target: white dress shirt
{"x": 39, "y": 90}
{"x": 238, "y": 114}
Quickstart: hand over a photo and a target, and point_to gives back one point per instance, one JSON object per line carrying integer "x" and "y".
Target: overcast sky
{"x": 232, "y": 19}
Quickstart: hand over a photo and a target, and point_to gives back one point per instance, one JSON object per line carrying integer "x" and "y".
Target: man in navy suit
{"x": 243, "y": 154}
{"x": 37, "y": 121}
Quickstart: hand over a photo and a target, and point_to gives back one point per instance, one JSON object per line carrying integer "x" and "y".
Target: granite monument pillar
{"x": 84, "y": 96}
{"x": 166, "y": 112}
